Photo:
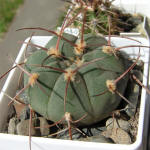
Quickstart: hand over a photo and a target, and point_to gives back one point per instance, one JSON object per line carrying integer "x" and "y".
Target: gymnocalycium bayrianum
{"x": 79, "y": 79}
{"x": 96, "y": 17}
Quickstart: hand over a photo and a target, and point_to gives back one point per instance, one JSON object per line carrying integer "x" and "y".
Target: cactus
{"x": 89, "y": 76}
{"x": 97, "y": 13}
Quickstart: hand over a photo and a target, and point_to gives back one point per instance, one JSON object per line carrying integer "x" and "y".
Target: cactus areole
{"x": 90, "y": 91}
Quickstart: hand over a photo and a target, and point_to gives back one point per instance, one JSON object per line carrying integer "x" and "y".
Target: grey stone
{"x": 118, "y": 135}
{"x": 99, "y": 138}
{"x": 43, "y": 123}
{"x": 97, "y": 130}
{"x": 107, "y": 133}
{"x": 23, "y": 128}
{"x": 12, "y": 125}
{"x": 117, "y": 123}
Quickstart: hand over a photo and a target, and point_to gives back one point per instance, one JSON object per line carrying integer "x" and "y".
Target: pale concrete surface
{"x": 33, "y": 13}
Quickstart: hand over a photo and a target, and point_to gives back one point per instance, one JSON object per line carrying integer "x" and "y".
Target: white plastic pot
{"x": 8, "y": 142}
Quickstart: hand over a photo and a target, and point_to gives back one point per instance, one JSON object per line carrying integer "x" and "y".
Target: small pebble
{"x": 96, "y": 131}
{"x": 23, "y": 128}
{"x": 99, "y": 138}
{"x": 117, "y": 123}
{"x": 43, "y": 123}
{"x": 118, "y": 135}
{"x": 12, "y": 125}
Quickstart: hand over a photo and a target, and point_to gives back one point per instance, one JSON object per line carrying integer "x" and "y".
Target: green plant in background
{"x": 7, "y": 11}
{"x": 96, "y": 20}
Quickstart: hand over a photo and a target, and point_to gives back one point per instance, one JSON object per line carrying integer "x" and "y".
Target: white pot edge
{"x": 57, "y": 144}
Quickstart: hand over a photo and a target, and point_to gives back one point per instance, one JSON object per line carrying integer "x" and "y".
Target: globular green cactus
{"x": 86, "y": 81}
